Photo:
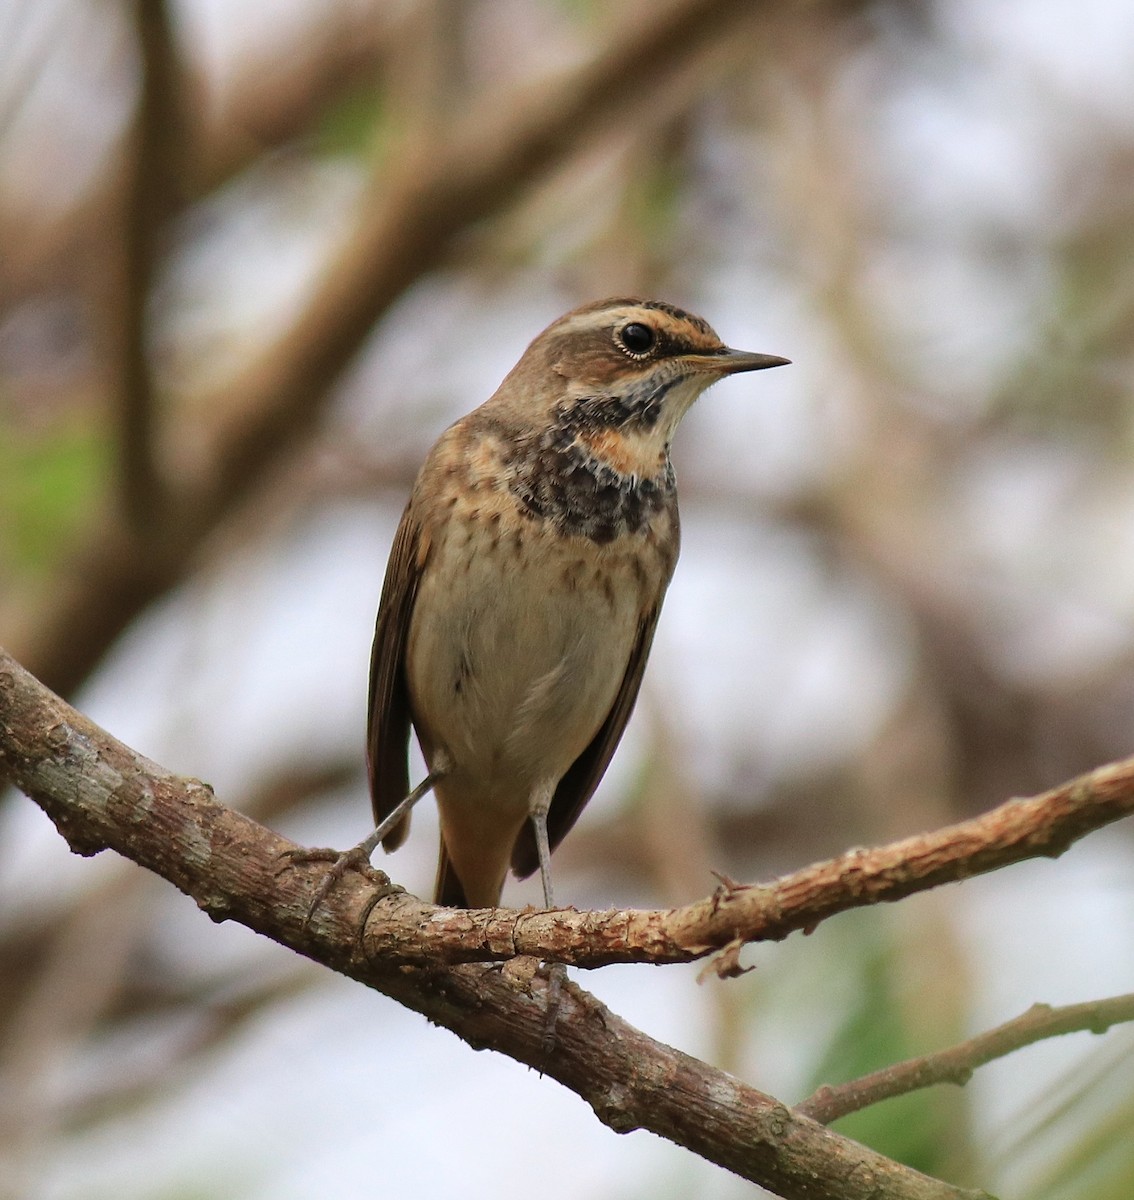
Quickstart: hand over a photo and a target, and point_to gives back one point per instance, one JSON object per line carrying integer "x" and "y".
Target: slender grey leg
{"x": 367, "y": 847}
{"x": 539, "y": 822}
{"x": 359, "y": 855}
{"x": 556, "y": 972}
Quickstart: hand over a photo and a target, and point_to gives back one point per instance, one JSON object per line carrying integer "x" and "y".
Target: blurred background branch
{"x": 151, "y": 192}
{"x": 409, "y": 214}
{"x": 957, "y": 1063}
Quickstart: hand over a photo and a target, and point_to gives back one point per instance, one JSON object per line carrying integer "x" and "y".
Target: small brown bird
{"x": 523, "y": 589}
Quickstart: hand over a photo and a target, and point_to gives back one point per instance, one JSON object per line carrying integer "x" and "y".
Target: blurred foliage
{"x": 1080, "y": 1131}
{"x": 875, "y": 1032}
{"x": 1099, "y": 1166}
{"x": 50, "y": 479}
{"x": 879, "y": 1026}
{"x": 357, "y": 125}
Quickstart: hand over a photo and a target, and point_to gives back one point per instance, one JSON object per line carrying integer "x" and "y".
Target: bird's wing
{"x": 388, "y": 710}
{"x": 582, "y": 777}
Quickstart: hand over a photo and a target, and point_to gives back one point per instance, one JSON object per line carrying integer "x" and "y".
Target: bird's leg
{"x": 359, "y": 856}
{"x": 543, "y": 848}
{"x": 556, "y": 972}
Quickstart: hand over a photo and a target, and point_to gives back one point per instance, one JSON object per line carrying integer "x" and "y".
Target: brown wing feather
{"x": 388, "y": 710}
{"x": 578, "y": 785}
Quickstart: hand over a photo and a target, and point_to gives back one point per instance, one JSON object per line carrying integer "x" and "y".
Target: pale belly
{"x": 516, "y": 654}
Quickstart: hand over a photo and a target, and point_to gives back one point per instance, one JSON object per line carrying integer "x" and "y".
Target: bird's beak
{"x": 732, "y": 362}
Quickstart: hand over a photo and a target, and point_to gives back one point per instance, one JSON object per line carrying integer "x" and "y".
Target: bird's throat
{"x": 595, "y": 480}
{"x": 634, "y": 452}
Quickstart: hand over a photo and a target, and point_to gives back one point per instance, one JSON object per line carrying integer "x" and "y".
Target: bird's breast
{"x": 524, "y": 622}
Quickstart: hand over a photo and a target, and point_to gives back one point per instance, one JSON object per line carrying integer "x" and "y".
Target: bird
{"x": 523, "y": 590}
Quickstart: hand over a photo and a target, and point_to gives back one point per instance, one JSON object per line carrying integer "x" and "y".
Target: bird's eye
{"x": 636, "y": 337}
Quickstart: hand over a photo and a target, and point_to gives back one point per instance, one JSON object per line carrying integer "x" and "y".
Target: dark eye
{"x": 636, "y": 338}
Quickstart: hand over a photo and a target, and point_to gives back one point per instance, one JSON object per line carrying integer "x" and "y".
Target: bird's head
{"x": 626, "y": 370}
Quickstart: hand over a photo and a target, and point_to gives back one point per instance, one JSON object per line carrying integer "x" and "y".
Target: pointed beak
{"x": 732, "y": 362}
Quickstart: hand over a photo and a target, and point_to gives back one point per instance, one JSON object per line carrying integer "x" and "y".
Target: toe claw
{"x": 357, "y": 858}
{"x": 556, "y": 977}
{"x": 299, "y": 856}
{"x": 340, "y": 865}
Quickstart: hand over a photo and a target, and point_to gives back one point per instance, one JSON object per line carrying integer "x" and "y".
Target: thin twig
{"x": 957, "y": 1063}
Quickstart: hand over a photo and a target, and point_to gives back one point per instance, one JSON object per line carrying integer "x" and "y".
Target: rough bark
{"x": 101, "y": 794}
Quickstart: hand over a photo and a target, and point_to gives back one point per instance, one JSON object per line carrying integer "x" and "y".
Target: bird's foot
{"x": 357, "y": 858}
{"x": 556, "y": 974}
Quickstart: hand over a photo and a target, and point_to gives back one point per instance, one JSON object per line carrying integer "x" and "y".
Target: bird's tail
{"x": 448, "y": 890}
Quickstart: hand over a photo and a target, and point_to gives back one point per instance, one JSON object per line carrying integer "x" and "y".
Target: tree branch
{"x": 1040, "y": 826}
{"x": 957, "y": 1063}
{"x": 406, "y": 930}
{"x": 102, "y": 794}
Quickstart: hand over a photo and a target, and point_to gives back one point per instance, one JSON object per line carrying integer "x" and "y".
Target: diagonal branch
{"x": 100, "y": 793}
{"x": 404, "y": 929}
{"x": 957, "y": 1063}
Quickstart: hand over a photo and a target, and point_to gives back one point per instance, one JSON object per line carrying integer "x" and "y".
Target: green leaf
{"x": 48, "y": 480}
